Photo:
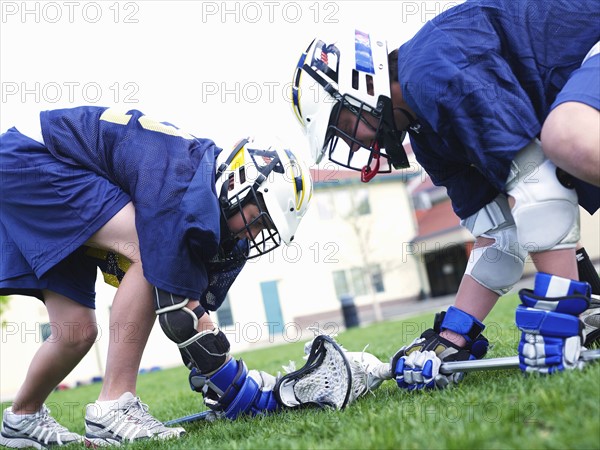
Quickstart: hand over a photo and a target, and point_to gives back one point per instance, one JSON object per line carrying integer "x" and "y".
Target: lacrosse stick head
{"x": 329, "y": 378}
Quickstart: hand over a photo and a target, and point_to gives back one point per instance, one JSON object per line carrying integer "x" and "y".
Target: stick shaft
{"x": 509, "y": 362}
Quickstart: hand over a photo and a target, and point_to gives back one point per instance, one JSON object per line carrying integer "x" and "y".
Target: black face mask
{"x": 231, "y": 246}
{"x": 370, "y": 160}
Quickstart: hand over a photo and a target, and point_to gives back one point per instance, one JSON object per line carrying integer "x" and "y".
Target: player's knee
{"x": 74, "y": 340}
{"x": 178, "y": 325}
{"x": 498, "y": 264}
{"x": 546, "y": 210}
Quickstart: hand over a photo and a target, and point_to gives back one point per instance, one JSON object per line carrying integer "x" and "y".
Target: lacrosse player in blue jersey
{"x": 476, "y": 89}
{"x": 170, "y": 219}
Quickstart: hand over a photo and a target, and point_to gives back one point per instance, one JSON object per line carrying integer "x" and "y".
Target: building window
{"x": 224, "y": 313}
{"x": 343, "y": 203}
{"x": 377, "y": 278}
{"x": 340, "y": 283}
{"x": 357, "y": 275}
{"x": 354, "y": 281}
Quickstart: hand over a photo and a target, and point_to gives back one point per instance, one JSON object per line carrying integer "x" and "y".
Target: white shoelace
{"x": 45, "y": 427}
{"x": 143, "y": 421}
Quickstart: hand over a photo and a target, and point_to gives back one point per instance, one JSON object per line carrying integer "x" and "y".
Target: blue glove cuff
{"x": 244, "y": 398}
{"x": 556, "y": 294}
{"x": 546, "y": 323}
{"x": 225, "y": 376}
{"x": 462, "y": 323}
{"x": 547, "y": 285}
{"x": 572, "y": 304}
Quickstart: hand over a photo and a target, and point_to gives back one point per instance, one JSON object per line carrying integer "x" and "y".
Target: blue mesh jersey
{"x": 169, "y": 176}
{"x": 481, "y": 78}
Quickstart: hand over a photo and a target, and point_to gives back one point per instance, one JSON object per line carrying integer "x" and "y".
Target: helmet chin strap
{"x": 412, "y": 121}
{"x": 367, "y": 173}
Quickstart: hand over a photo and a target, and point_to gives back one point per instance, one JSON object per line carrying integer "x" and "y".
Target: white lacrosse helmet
{"x": 352, "y": 73}
{"x": 276, "y": 181}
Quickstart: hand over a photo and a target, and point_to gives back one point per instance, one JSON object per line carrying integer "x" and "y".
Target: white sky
{"x": 217, "y": 69}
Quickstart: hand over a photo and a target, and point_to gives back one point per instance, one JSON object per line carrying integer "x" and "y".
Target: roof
{"x": 437, "y": 220}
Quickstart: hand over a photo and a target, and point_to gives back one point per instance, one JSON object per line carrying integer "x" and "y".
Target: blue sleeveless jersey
{"x": 481, "y": 78}
{"x": 167, "y": 174}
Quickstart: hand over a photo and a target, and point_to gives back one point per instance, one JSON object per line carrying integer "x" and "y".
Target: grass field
{"x": 495, "y": 409}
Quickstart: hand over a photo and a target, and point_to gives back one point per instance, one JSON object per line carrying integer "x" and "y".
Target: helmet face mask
{"x": 263, "y": 195}
{"x": 247, "y": 230}
{"x": 352, "y": 152}
{"x": 348, "y": 75}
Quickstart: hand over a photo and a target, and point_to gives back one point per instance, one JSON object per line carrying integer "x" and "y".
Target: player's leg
{"x": 73, "y": 332}
{"x": 571, "y": 139}
{"x": 132, "y": 313}
{"x": 495, "y": 264}
{"x": 571, "y": 133}
{"x": 228, "y": 387}
{"x": 547, "y": 218}
{"x": 119, "y": 416}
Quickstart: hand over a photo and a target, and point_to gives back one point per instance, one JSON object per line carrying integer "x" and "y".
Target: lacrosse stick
{"x": 337, "y": 385}
{"x": 508, "y": 362}
{"x": 332, "y": 376}
{"x": 209, "y": 416}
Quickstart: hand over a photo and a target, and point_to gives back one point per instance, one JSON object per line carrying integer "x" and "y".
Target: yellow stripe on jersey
{"x": 154, "y": 125}
{"x": 115, "y": 116}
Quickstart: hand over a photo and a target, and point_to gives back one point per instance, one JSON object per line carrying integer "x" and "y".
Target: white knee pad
{"x": 500, "y": 265}
{"x": 546, "y": 212}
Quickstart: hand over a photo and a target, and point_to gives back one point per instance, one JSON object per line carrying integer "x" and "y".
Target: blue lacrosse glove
{"x": 417, "y": 365}
{"x": 233, "y": 390}
{"x": 552, "y": 334}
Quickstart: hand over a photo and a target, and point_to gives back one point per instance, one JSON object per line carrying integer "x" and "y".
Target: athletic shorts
{"x": 48, "y": 210}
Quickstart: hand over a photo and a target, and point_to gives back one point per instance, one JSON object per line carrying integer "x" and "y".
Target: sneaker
{"x": 37, "y": 430}
{"x": 591, "y": 321}
{"x": 126, "y": 419}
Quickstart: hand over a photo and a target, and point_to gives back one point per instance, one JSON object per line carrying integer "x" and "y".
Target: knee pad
{"x": 546, "y": 210}
{"x": 500, "y": 265}
{"x": 206, "y": 351}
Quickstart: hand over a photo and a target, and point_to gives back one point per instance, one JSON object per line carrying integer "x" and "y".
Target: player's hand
{"x": 419, "y": 370}
{"x": 552, "y": 334}
{"x": 417, "y": 366}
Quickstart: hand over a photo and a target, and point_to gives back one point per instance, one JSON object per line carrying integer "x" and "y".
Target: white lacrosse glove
{"x": 332, "y": 376}
{"x": 421, "y": 370}
{"x": 552, "y": 334}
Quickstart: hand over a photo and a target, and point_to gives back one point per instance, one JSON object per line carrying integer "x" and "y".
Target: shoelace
{"x": 138, "y": 409}
{"x": 45, "y": 427}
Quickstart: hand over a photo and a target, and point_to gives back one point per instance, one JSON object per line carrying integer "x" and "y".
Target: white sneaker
{"x": 38, "y": 430}
{"x": 126, "y": 419}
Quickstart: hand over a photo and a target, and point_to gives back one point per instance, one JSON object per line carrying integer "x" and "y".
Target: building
{"x": 443, "y": 246}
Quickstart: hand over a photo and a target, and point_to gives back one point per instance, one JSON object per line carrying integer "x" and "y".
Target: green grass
{"x": 494, "y": 409}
